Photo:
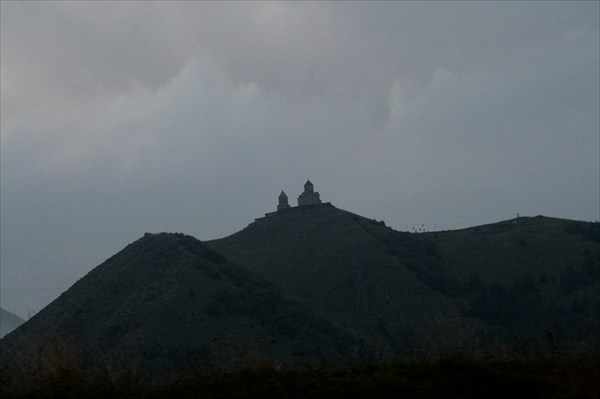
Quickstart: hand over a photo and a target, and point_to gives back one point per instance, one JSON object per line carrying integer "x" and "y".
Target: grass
{"x": 573, "y": 374}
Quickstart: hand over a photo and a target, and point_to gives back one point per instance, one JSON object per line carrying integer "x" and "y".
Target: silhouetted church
{"x": 308, "y": 197}
{"x": 283, "y": 201}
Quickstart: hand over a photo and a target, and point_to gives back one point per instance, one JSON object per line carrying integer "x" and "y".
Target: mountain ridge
{"x": 317, "y": 285}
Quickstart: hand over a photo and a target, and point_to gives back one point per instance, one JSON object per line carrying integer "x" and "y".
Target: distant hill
{"x": 8, "y": 322}
{"x": 318, "y": 285}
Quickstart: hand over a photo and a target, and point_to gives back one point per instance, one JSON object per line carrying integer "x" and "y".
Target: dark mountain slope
{"x": 513, "y": 280}
{"x": 527, "y": 275}
{"x": 167, "y": 302}
{"x": 341, "y": 265}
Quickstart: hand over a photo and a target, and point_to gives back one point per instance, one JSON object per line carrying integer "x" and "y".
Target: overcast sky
{"x": 122, "y": 118}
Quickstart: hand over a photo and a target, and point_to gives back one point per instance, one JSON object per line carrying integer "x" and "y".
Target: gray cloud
{"x": 120, "y": 118}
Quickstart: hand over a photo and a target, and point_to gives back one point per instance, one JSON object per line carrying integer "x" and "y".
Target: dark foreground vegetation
{"x": 514, "y": 374}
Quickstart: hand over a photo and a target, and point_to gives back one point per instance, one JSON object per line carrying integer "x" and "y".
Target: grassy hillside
{"x": 341, "y": 266}
{"x": 528, "y": 277}
{"x": 319, "y": 286}
{"x": 168, "y": 303}
{"x": 517, "y": 280}
{"x": 536, "y": 245}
